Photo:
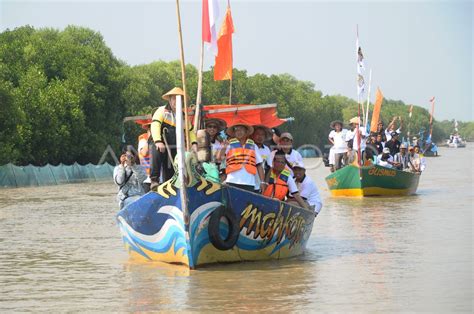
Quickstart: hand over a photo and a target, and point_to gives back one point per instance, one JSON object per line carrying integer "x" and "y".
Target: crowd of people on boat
{"x": 254, "y": 158}
{"x": 382, "y": 147}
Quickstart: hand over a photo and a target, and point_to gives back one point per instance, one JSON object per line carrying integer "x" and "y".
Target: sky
{"x": 416, "y": 49}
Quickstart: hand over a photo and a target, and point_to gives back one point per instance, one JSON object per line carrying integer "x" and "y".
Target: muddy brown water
{"x": 61, "y": 251}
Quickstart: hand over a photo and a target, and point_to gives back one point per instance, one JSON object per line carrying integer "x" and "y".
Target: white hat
{"x": 299, "y": 164}
{"x": 386, "y": 150}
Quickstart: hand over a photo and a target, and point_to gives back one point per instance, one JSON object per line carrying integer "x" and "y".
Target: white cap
{"x": 299, "y": 164}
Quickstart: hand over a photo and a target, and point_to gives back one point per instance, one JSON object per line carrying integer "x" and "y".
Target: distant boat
{"x": 371, "y": 180}
{"x": 458, "y": 143}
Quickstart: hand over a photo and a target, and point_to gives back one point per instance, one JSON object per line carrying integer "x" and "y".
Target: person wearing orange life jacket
{"x": 144, "y": 153}
{"x": 281, "y": 182}
{"x": 243, "y": 161}
{"x": 163, "y": 127}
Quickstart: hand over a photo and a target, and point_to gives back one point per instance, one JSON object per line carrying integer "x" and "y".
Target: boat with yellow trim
{"x": 225, "y": 224}
{"x": 193, "y": 221}
{"x": 371, "y": 180}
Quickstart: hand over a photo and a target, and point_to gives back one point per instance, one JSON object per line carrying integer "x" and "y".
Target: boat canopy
{"x": 232, "y": 114}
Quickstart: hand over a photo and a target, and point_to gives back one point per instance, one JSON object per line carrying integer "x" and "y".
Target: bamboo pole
{"x": 368, "y": 100}
{"x": 230, "y": 92}
{"x": 197, "y": 112}
{"x": 183, "y": 76}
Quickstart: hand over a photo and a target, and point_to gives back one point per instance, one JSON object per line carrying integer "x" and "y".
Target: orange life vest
{"x": 240, "y": 156}
{"x": 278, "y": 185}
{"x": 145, "y": 160}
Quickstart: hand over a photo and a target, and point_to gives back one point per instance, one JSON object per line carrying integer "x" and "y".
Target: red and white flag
{"x": 210, "y": 15}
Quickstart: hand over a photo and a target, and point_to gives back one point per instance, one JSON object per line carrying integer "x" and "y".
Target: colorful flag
{"x": 376, "y": 112}
{"x": 210, "y": 14}
{"x": 223, "y": 65}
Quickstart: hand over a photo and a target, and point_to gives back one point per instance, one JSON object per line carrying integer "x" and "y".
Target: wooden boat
{"x": 371, "y": 180}
{"x": 195, "y": 221}
{"x": 154, "y": 228}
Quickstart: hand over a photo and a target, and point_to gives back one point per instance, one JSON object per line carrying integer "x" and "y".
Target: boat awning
{"x": 246, "y": 114}
{"x": 231, "y": 114}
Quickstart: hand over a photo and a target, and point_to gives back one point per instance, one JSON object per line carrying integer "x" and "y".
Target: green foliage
{"x": 63, "y": 97}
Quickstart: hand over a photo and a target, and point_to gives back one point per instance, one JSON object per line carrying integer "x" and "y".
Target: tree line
{"x": 63, "y": 97}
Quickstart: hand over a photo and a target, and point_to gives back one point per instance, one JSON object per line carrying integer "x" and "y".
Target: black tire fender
{"x": 213, "y": 229}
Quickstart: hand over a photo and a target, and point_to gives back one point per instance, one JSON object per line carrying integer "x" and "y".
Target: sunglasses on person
{"x": 212, "y": 126}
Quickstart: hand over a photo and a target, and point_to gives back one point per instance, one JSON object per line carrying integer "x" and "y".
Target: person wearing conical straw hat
{"x": 337, "y": 137}
{"x": 243, "y": 161}
{"x": 163, "y": 130}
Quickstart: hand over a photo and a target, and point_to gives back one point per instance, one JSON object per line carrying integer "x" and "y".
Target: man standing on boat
{"x": 393, "y": 144}
{"x": 391, "y": 128}
{"x": 163, "y": 131}
{"x": 352, "y": 135}
{"x": 337, "y": 137}
{"x": 243, "y": 160}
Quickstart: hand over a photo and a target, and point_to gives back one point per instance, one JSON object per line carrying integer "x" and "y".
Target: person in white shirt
{"x": 414, "y": 160}
{"x": 260, "y": 134}
{"x": 391, "y": 128}
{"x": 308, "y": 190}
{"x": 385, "y": 159}
{"x": 422, "y": 158}
{"x": 353, "y": 135}
{"x": 243, "y": 161}
{"x": 286, "y": 145}
{"x": 337, "y": 137}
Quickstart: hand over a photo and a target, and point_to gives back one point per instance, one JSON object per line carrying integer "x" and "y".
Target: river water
{"x": 61, "y": 251}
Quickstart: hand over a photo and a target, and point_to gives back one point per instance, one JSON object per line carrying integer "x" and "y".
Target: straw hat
{"x": 354, "y": 120}
{"x": 333, "y": 124}
{"x": 173, "y": 92}
{"x": 268, "y": 132}
{"x": 231, "y": 131}
{"x": 220, "y": 123}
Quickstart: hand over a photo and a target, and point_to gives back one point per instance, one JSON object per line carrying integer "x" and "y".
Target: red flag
{"x": 223, "y": 65}
{"x": 206, "y": 29}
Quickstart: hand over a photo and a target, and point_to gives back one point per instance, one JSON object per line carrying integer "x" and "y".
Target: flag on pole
{"x": 223, "y": 65}
{"x": 410, "y": 111}
{"x": 360, "y": 70}
{"x": 210, "y": 14}
{"x": 376, "y": 112}
{"x": 432, "y": 101}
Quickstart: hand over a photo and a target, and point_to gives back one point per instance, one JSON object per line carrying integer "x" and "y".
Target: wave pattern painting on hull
{"x": 153, "y": 227}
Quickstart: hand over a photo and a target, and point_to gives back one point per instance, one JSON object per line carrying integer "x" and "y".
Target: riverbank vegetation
{"x": 64, "y": 94}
